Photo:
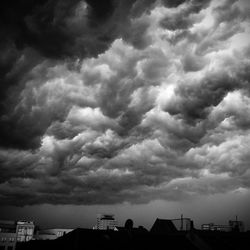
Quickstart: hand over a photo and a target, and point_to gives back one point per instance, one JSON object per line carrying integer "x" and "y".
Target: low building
{"x": 51, "y": 234}
{"x": 214, "y": 227}
{"x": 7, "y": 235}
{"x": 233, "y": 226}
{"x": 207, "y": 227}
{"x": 25, "y": 230}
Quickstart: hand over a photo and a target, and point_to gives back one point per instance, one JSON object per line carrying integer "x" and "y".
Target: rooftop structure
{"x": 183, "y": 224}
{"x": 172, "y": 225}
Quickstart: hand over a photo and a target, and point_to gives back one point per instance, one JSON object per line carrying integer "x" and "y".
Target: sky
{"x": 140, "y": 108}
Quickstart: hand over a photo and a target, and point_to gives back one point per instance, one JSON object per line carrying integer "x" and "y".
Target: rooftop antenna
{"x": 181, "y": 222}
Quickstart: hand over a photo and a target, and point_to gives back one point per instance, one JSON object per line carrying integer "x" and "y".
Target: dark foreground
{"x": 142, "y": 239}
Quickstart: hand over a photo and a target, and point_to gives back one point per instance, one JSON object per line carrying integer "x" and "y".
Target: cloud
{"x": 124, "y": 101}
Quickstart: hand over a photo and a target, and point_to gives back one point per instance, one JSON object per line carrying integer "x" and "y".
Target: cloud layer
{"x": 124, "y": 101}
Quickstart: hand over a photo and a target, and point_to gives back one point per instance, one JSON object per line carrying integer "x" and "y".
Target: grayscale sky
{"x": 139, "y": 108}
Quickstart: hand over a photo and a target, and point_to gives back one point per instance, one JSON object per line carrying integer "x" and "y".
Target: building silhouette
{"x": 177, "y": 234}
{"x": 163, "y": 226}
{"x": 129, "y": 224}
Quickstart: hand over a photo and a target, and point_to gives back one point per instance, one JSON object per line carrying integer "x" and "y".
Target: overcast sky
{"x": 136, "y": 107}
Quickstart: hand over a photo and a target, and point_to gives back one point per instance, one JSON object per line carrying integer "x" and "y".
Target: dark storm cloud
{"x": 70, "y": 28}
{"x": 114, "y": 101}
{"x": 101, "y": 11}
{"x": 38, "y": 24}
{"x": 35, "y": 31}
{"x": 18, "y": 128}
{"x": 183, "y": 18}
{"x": 54, "y": 29}
{"x": 196, "y": 99}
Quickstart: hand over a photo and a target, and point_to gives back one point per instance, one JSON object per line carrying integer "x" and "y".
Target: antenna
{"x": 181, "y": 222}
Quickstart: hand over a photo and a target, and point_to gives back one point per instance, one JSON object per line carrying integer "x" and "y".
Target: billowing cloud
{"x": 124, "y": 101}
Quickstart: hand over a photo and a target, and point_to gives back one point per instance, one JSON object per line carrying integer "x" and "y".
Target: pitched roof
{"x": 163, "y": 226}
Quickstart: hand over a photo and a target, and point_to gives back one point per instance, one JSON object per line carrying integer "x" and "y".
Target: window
{"x": 28, "y": 238}
{"x": 59, "y": 233}
{"x": 20, "y": 230}
{"x": 29, "y": 231}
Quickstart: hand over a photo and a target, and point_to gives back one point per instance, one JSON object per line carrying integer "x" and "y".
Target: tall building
{"x": 105, "y": 222}
{"x": 25, "y": 230}
{"x": 7, "y": 235}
